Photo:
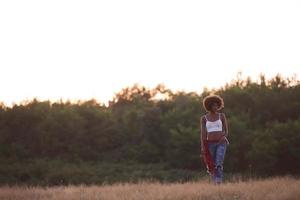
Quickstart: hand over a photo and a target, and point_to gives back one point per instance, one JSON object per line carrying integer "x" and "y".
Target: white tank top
{"x": 212, "y": 126}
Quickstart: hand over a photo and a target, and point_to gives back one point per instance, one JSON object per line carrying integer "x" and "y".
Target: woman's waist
{"x": 214, "y": 136}
{"x": 216, "y": 141}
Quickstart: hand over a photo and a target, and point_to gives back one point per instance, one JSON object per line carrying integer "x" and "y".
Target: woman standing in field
{"x": 214, "y": 133}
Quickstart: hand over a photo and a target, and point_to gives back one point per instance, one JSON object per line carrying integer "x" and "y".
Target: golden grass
{"x": 278, "y": 188}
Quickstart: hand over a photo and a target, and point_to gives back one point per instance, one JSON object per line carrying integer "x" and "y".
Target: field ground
{"x": 276, "y": 188}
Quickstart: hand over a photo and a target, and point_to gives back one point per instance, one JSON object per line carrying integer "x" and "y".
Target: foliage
{"x": 150, "y": 127}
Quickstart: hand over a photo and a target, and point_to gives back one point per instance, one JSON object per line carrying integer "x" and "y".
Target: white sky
{"x": 91, "y": 49}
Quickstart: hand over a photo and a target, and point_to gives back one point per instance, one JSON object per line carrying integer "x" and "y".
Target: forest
{"x": 150, "y": 133}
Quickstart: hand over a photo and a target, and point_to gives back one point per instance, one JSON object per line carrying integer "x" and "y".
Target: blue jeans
{"x": 217, "y": 152}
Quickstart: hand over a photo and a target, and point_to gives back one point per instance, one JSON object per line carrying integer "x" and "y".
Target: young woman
{"x": 214, "y": 133}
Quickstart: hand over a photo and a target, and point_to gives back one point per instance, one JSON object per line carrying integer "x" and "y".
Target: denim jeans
{"x": 217, "y": 152}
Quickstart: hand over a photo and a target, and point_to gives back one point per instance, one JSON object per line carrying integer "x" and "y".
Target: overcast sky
{"x": 92, "y": 49}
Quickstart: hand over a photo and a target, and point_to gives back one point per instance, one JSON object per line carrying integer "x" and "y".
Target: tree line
{"x": 154, "y": 127}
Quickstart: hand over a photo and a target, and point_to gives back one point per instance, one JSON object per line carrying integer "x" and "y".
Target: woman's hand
{"x": 223, "y": 139}
{"x": 202, "y": 150}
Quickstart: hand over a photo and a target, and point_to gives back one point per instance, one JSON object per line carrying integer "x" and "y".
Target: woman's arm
{"x": 203, "y": 131}
{"x": 225, "y": 125}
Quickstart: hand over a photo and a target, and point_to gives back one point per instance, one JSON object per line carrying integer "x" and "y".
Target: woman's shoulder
{"x": 203, "y": 117}
{"x": 222, "y": 114}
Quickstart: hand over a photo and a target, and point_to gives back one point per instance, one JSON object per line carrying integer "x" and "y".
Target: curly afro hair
{"x": 209, "y": 100}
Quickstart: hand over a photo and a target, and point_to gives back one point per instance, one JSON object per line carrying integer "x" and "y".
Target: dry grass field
{"x": 277, "y": 188}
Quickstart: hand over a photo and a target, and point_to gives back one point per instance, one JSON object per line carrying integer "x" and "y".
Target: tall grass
{"x": 276, "y": 188}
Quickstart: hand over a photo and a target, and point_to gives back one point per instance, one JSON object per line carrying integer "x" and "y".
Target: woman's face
{"x": 214, "y": 107}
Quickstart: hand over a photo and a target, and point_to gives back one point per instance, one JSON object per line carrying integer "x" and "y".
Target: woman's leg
{"x": 219, "y": 159}
{"x": 212, "y": 150}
